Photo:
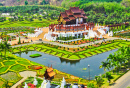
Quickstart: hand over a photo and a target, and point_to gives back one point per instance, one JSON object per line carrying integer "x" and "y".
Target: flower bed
{"x": 35, "y": 67}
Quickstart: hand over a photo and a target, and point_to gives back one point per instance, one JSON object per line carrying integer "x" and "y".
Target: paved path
{"x": 24, "y": 74}
{"x": 122, "y": 82}
{"x": 70, "y": 46}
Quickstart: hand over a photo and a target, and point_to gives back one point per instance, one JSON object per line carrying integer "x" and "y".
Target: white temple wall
{"x": 77, "y": 21}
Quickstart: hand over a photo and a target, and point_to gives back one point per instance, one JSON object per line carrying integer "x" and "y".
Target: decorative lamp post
{"x": 89, "y": 71}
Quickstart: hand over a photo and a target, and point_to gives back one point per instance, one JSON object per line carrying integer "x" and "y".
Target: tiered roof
{"x": 73, "y": 13}
{"x": 75, "y": 10}
{"x": 49, "y": 73}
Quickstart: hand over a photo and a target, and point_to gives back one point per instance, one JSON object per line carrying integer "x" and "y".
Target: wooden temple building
{"x": 72, "y": 23}
{"x": 72, "y": 16}
{"x": 49, "y": 73}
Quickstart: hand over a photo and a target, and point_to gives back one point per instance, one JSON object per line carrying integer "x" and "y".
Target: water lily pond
{"x": 77, "y": 68}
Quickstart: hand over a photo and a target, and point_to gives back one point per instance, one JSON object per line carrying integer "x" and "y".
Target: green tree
{"x": 126, "y": 3}
{"x": 6, "y": 47}
{"x": 104, "y": 65}
{"x": 26, "y": 2}
{"x": 90, "y": 85}
{"x": 19, "y": 42}
{"x": 99, "y": 80}
{"x": 1, "y": 48}
{"x": 109, "y": 76}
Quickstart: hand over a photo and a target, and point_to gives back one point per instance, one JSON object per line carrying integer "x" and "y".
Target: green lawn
{"x": 65, "y": 56}
{"x": 3, "y": 69}
{"x": 8, "y": 63}
{"x": 74, "y": 57}
{"x": 35, "y": 23}
{"x": 59, "y": 54}
{"x": 24, "y": 62}
{"x": 53, "y": 53}
{"x": 18, "y": 67}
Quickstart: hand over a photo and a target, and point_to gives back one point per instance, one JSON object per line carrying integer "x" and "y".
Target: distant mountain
{"x": 51, "y": 2}
{"x": 30, "y": 2}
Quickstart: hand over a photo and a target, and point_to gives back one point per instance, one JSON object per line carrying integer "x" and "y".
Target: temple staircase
{"x": 45, "y": 30}
{"x": 98, "y": 33}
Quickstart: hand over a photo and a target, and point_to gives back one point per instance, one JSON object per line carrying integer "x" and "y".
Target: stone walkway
{"x": 69, "y": 46}
{"x": 24, "y": 74}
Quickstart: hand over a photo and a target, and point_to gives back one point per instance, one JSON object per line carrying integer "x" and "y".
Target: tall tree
{"x": 109, "y": 76}
{"x": 26, "y": 2}
{"x": 6, "y": 47}
{"x": 1, "y": 48}
{"x": 99, "y": 80}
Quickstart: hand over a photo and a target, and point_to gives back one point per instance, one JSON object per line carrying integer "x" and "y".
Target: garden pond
{"x": 76, "y": 68}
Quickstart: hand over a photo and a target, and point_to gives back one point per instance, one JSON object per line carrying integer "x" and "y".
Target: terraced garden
{"x": 74, "y": 53}
{"x": 12, "y": 65}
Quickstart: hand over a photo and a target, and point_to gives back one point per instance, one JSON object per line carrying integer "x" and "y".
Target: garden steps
{"x": 98, "y": 33}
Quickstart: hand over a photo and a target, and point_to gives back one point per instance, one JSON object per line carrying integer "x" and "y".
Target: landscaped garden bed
{"x": 78, "y": 42}
{"x": 75, "y": 53}
{"x": 35, "y": 55}
{"x": 14, "y": 65}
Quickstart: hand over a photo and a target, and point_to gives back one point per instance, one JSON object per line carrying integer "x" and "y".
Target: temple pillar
{"x": 81, "y": 35}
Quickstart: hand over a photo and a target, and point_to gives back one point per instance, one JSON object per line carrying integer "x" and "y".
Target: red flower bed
{"x": 83, "y": 42}
{"x": 35, "y": 67}
{"x": 32, "y": 85}
{"x": 95, "y": 38}
{"x": 80, "y": 43}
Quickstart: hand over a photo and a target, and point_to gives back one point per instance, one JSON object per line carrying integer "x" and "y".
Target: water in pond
{"x": 71, "y": 67}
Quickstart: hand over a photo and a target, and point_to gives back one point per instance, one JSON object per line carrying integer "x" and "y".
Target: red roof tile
{"x": 78, "y": 16}
{"x": 63, "y": 14}
{"x": 68, "y": 12}
{"x": 71, "y": 18}
{"x": 85, "y": 17}
{"x": 75, "y": 9}
{"x": 66, "y": 20}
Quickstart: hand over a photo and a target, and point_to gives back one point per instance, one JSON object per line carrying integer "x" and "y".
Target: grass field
{"x": 35, "y": 23}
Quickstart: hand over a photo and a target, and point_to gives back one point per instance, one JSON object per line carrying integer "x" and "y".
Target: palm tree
{"x": 1, "y": 47}
{"x": 99, "y": 80}
{"x": 104, "y": 65}
{"x": 6, "y": 47}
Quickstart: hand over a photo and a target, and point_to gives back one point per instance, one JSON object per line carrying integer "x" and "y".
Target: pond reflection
{"x": 77, "y": 68}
